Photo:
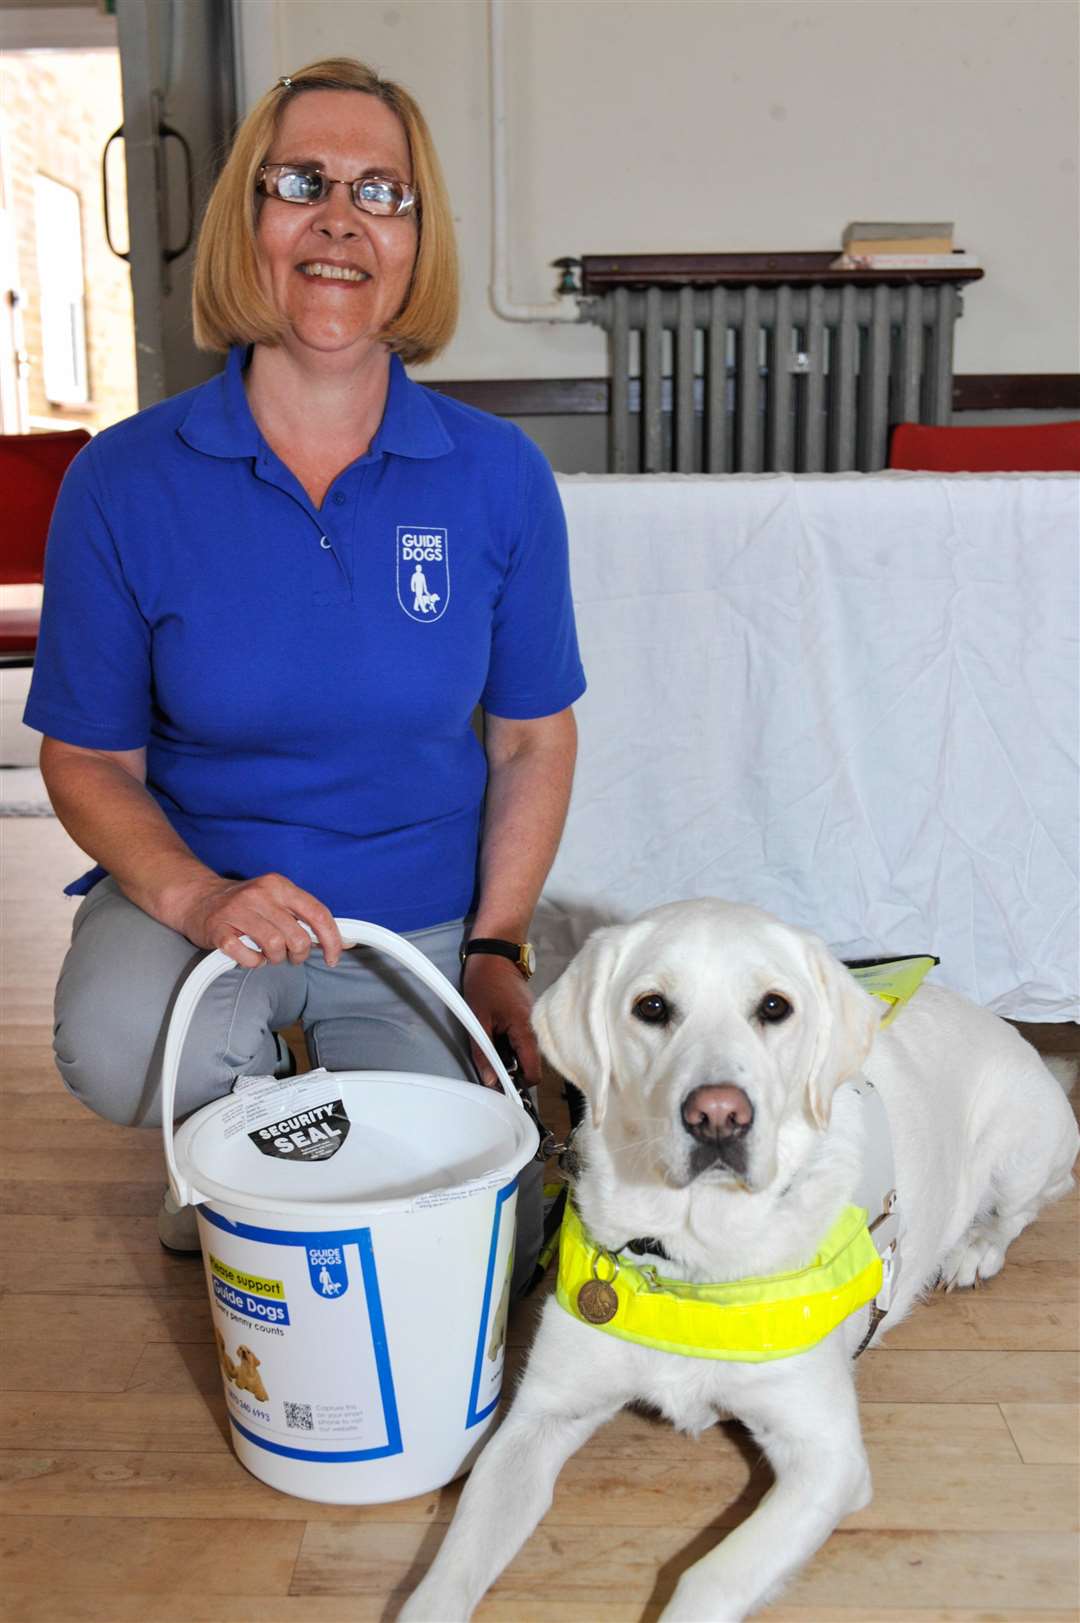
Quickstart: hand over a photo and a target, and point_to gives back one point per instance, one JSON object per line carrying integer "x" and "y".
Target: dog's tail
{"x": 1063, "y": 1069}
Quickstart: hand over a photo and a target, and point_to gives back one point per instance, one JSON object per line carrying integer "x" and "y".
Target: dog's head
{"x": 247, "y": 1358}
{"x": 697, "y": 1030}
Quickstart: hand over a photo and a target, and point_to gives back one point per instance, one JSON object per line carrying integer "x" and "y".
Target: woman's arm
{"x": 101, "y": 799}
{"x": 530, "y": 771}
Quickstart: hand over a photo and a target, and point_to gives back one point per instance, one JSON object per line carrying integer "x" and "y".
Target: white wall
{"x": 725, "y": 125}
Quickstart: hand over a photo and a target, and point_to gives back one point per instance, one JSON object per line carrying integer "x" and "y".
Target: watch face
{"x": 528, "y": 958}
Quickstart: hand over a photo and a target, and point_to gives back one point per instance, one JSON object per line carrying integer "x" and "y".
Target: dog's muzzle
{"x": 718, "y": 1117}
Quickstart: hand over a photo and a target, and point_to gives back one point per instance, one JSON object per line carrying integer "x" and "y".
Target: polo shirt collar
{"x": 411, "y": 425}
{"x": 219, "y": 419}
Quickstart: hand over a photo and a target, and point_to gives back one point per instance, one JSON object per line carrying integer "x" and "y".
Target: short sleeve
{"x": 535, "y": 668}
{"x": 91, "y": 684}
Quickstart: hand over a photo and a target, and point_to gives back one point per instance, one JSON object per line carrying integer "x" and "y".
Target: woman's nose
{"x": 338, "y": 214}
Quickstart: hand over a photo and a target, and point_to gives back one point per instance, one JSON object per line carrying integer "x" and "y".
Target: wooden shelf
{"x": 600, "y": 273}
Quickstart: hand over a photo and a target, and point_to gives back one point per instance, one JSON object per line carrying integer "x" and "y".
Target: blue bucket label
{"x": 490, "y": 1353}
{"x": 304, "y": 1358}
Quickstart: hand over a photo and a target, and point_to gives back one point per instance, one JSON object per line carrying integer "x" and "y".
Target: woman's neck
{"x": 319, "y": 414}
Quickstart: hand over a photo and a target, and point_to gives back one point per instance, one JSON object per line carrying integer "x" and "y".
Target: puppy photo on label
{"x": 247, "y": 1377}
{"x": 772, "y": 1171}
{"x": 228, "y": 1368}
{"x": 502, "y": 1311}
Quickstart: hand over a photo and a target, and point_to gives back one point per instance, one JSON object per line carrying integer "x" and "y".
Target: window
{"x": 60, "y": 276}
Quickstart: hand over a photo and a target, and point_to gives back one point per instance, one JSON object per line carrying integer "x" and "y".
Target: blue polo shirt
{"x": 303, "y": 679}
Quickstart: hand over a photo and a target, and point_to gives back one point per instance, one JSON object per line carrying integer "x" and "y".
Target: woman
{"x": 253, "y": 719}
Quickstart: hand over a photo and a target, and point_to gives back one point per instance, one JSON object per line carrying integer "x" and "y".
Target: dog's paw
{"x": 979, "y": 1256}
{"x": 698, "y": 1601}
{"x": 428, "y": 1604}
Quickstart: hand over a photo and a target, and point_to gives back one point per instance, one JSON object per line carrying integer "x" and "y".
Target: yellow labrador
{"x": 712, "y": 1042}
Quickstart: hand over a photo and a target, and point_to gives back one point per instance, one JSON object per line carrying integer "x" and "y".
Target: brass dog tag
{"x": 597, "y": 1301}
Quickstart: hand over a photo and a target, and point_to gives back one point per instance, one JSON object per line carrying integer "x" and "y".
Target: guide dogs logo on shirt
{"x": 423, "y": 571}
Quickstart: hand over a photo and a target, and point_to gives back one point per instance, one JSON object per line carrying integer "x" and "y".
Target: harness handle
{"x": 354, "y": 933}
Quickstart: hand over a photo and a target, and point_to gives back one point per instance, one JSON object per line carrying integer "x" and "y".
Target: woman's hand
{"x": 101, "y": 798}
{"x": 499, "y": 996}
{"x": 216, "y": 912}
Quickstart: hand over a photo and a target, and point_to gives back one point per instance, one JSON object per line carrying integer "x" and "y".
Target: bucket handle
{"x": 354, "y": 933}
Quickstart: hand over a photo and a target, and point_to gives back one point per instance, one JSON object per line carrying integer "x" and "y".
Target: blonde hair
{"x": 229, "y": 305}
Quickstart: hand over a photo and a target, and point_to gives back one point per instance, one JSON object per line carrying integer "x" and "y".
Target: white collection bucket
{"x": 357, "y": 1231}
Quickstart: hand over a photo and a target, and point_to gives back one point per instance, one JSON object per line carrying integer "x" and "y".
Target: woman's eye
{"x": 300, "y": 185}
{"x": 653, "y": 1009}
{"x": 383, "y": 192}
{"x": 773, "y": 1008}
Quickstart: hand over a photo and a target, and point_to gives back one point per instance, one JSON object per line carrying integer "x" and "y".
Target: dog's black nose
{"x": 716, "y": 1113}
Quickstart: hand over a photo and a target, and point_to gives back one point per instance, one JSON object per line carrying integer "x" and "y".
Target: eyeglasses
{"x": 304, "y": 183}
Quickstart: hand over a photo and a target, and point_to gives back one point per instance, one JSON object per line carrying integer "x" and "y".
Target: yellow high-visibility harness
{"x": 754, "y": 1320}
{"x": 748, "y": 1320}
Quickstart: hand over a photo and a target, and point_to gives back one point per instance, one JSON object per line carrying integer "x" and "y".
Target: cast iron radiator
{"x": 773, "y": 372}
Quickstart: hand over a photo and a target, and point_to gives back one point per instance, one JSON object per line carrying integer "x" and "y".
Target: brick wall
{"x": 57, "y": 110}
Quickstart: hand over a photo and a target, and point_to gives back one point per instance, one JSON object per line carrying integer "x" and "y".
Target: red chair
{"x": 1031, "y": 448}
{"x": 31, "y": 468}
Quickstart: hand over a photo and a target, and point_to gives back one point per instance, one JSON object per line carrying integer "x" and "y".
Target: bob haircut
{"x": 229, "y": 305}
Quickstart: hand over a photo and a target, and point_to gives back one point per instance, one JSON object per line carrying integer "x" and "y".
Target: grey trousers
{"x": 120, "y": 979}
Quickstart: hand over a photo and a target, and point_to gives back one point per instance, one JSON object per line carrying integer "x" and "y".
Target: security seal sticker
{"x": 309, "y": 1135}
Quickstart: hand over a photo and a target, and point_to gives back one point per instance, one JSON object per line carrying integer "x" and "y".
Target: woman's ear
{"x": 570, "y": 1019}
{"x": 848, "y": 1019}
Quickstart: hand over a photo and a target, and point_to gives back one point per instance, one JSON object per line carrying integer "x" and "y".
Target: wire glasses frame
{"x": 302, "y": 183}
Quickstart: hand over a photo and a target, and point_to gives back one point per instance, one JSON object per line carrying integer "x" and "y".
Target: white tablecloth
{"x": 852, "y": 700}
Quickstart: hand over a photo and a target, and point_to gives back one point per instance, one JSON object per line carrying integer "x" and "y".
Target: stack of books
{"x": 901, "y": 245}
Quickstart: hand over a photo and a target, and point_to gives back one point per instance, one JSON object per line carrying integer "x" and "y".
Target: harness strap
{"x": 877, "y": 1193}
{"x": 893, "y": 980}
{"x": 745, "y": 1321}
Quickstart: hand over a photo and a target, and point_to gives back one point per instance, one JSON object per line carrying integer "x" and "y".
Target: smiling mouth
{"x": 334, "y": 273}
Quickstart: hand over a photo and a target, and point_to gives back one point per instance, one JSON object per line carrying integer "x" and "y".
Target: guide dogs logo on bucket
{"x": 329, "y": 1275}
{"x": 423, "y": 571}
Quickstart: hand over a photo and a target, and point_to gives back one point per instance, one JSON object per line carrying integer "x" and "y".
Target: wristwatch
{"x": 520, "y": 953}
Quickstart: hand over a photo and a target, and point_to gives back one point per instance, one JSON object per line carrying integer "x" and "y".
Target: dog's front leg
{"x": 805, "y": 1416}
{"x": 559, "y": 1405}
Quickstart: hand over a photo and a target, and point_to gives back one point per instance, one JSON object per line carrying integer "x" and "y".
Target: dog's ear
{"x": 570, "y": 1018}
{"x": 848, "y": 1020}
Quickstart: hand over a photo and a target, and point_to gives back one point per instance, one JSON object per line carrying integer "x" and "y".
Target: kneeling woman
{"x": 272, "y": 607}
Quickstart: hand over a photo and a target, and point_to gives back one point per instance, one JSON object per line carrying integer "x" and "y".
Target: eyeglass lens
{"x": 373, "y": 193}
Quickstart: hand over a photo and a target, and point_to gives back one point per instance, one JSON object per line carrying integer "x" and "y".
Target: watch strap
{"x": 519, "y": 953}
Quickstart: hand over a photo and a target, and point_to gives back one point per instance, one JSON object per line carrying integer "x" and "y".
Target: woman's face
{"x": 347, "y": 133}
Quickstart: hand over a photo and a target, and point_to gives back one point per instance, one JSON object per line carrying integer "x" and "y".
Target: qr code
{"x": 298, "y": 1417}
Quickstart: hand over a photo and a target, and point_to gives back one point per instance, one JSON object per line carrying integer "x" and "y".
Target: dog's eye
{"x": 653, "y": 1009}
{"x": 773, "y": 1008}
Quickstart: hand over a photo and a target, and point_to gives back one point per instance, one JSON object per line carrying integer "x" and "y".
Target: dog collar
{"x": 746, "y": 1321}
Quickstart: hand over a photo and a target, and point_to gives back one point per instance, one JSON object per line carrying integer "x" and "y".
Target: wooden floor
{"x": 123, "y": 1503}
